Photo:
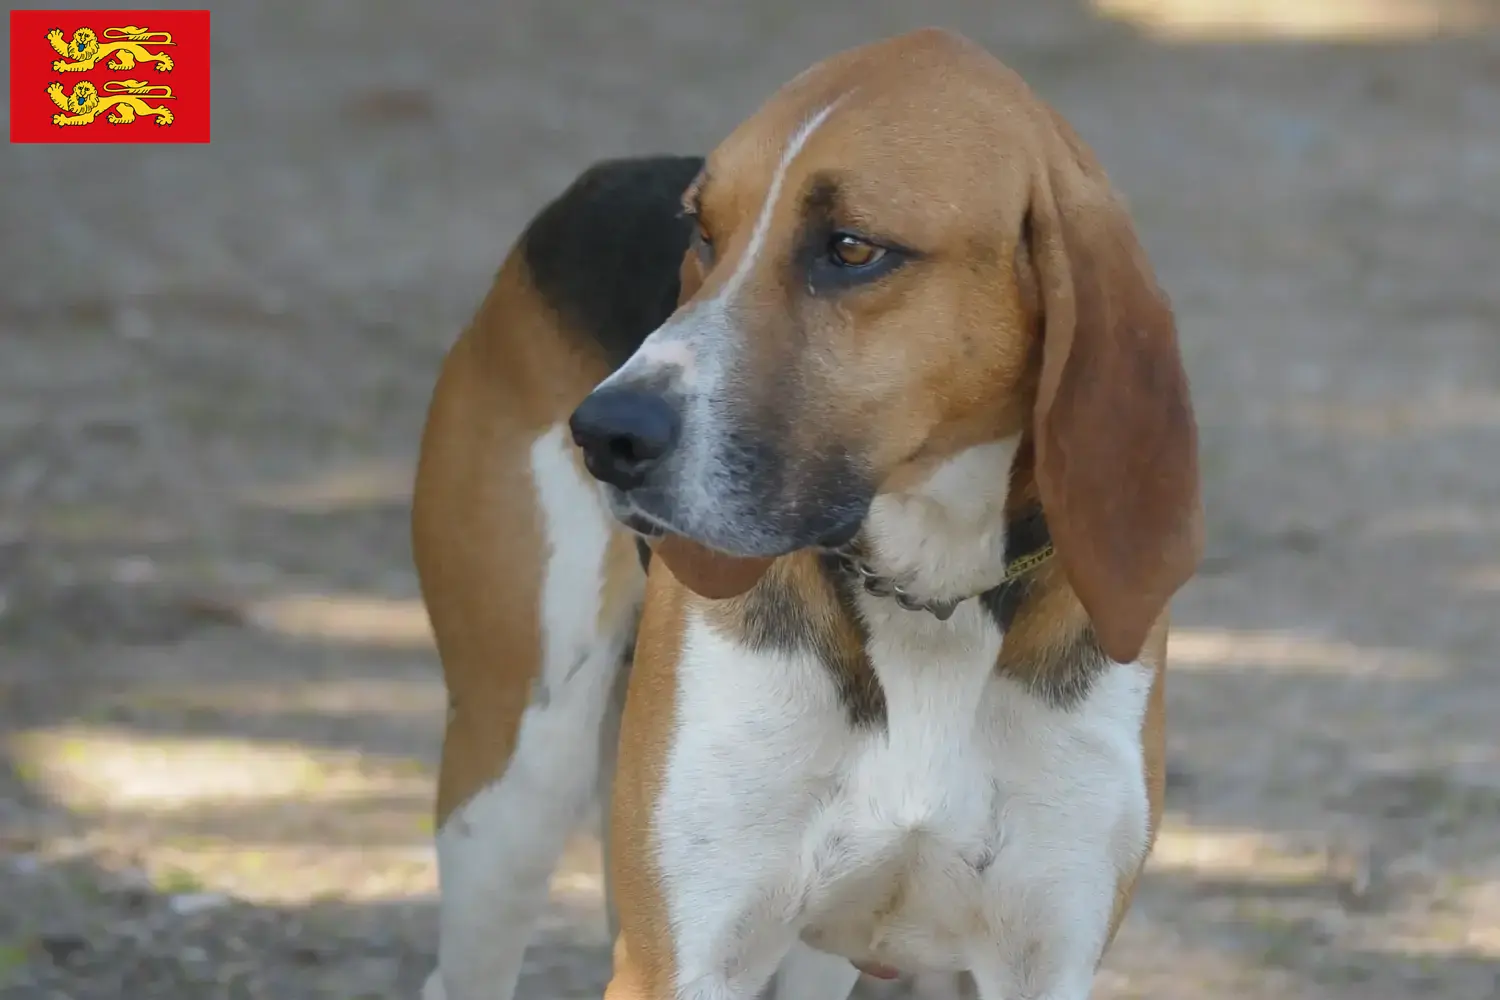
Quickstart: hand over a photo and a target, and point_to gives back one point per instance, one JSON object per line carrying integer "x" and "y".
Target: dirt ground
{"x": 219, "y": 708}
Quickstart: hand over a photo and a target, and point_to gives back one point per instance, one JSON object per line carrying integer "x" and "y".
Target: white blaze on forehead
{"x": 768, "y": 209}
{"x": 681, "y": 341}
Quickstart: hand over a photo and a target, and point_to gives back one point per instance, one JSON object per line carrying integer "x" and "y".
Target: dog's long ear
{"x": 700, "y": 569}
{"x": 1116, "y": 440}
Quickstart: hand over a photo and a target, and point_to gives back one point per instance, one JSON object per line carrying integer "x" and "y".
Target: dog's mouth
{"x": 651, "y": 527}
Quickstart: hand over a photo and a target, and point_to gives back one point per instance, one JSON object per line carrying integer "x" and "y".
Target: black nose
{"x": 623, "y": 434}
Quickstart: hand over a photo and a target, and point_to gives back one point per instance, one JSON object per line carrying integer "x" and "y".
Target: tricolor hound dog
{"x": 885, "y": 393}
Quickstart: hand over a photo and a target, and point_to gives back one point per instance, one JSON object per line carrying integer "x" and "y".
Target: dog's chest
{"x": 915, "y": 844}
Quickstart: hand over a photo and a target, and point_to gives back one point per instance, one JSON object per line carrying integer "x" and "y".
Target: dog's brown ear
{"x": 1116, "y": 440}
{"x": 702, "y": 570}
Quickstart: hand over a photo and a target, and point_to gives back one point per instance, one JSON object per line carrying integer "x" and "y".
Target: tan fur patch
{"x": 644, "y": 963}
{"x": 512, "y": 374}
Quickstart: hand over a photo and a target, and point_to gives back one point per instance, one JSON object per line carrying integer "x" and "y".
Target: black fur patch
{"x": 605, "y": 253}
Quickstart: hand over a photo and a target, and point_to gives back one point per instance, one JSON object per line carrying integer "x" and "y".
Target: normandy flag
{"x": 109, "y": 76}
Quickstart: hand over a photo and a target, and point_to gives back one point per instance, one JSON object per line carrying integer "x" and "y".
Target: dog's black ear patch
{"x": 605, "y": 253}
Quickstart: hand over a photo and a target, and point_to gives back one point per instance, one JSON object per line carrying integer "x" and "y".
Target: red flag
{"x": 109, "y": 76}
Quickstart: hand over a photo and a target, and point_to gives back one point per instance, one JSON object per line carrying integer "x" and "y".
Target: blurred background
{"x": 219, "y": 706}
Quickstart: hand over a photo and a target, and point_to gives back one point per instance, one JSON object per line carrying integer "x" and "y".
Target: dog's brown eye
{"x": 851, "y": 251}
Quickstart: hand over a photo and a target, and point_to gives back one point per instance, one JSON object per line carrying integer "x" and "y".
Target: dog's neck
{"x": 945, "y": 539}
{"x": 975, "y": 529}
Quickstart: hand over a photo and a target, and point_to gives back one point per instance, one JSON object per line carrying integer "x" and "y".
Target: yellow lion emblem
{"x": 127, "y": 98}
{"x": 124, "y": 43}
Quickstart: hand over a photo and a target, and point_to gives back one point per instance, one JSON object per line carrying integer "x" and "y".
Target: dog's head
{"x": 905, "y": 253}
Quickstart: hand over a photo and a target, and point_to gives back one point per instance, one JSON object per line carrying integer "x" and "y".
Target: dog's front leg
{"x": 1052, "y": 951}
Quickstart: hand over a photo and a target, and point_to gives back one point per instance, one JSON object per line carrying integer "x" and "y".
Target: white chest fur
{"x": 980, "y": 829}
